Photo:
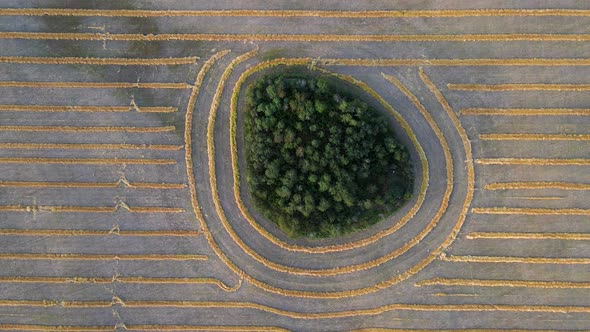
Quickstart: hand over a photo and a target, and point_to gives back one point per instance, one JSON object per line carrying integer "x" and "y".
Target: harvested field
{"x": 123, "y": 203}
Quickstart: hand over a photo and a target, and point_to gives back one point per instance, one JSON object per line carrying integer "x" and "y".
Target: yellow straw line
{"x": 513, "y": 259}
{"x": 534, "y": 137}
{"x": 351, "y": 313}
{"x": 382, "y": 329}
{"x": 87, "y": 161}
{"x": 97, "y": 61}
{"x": 53, "y": 303}
{"x": 116, "y": 278}
{"x": 531, "y": 211}
{"x": 84, "y": 108}
{"x": 292, "y": 13}
{"x": 228, "y": 328}
{"x": 35, "y": 184}
{"x": 179, "y": 281}
{"x": 530, "y": 236}
{"x": 82, "y": 209}
{"x": 92, "y": 85}
{"x": 503, "y": 283}
{"x": 84, "y": 328}
{"x": 188, "y": 156}
{"x": 295, "y": 37}
{"x": 103, "y": 257}
{"x": 57, "y": 280}
{"x": 527, "y": 111}
{"x": 135, "y": 185}
{"x": 537, "y": 185}
{"x": 325, "y": 62}
{"x": 519, "y": 87}
{"x": 84, "y": 232}
{"x": 302, "y": 315}
{"x": 76, "y": 146}
{"x": 56, "y": 328}
{"x": 73, "y": 129}
{"x": 455, "y": 62}
{"x": 468, "y": 165}
{"x": 90, "y": 209}
{"x": 533, "y": 161}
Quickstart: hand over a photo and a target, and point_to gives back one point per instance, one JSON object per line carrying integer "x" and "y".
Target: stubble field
{"x": 122, "y": 205}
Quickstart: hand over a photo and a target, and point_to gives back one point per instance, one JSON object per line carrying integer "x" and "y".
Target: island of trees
{"x": 321, "y": 162}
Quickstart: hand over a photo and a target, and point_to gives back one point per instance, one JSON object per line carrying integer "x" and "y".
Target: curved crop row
{"x": 339, "y": 294}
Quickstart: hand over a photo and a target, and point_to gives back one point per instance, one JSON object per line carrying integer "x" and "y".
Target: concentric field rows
{"x": 442, "y": 100}
{"x": 98, "y": 186}
{"x": 274, "y": 289}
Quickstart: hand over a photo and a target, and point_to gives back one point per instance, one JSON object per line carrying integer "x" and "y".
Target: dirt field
{"x": 121, "y": 201}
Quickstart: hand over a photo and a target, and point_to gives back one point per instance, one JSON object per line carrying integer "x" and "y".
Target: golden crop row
{"x": 87, "y": 129}
{"x": 307, "y": 38}
{"x": 302, "y": 315}
{"x": 433, "y": 13}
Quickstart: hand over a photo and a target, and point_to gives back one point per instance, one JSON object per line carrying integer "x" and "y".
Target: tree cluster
{"x": 321, "y": 163}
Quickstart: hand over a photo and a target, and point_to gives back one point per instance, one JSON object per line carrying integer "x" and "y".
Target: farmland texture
{"x": 123, "y": 198}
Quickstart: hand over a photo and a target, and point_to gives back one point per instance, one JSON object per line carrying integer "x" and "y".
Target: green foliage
{"x": 320, "y": 162}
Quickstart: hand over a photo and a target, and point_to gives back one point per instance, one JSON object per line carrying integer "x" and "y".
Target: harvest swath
{"x": 121, "y": 195}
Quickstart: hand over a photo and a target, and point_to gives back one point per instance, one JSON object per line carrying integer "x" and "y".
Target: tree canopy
{"x": 321, "y": 162}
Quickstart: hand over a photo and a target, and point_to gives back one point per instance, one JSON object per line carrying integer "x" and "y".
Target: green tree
{"x": 320, "y": 162}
